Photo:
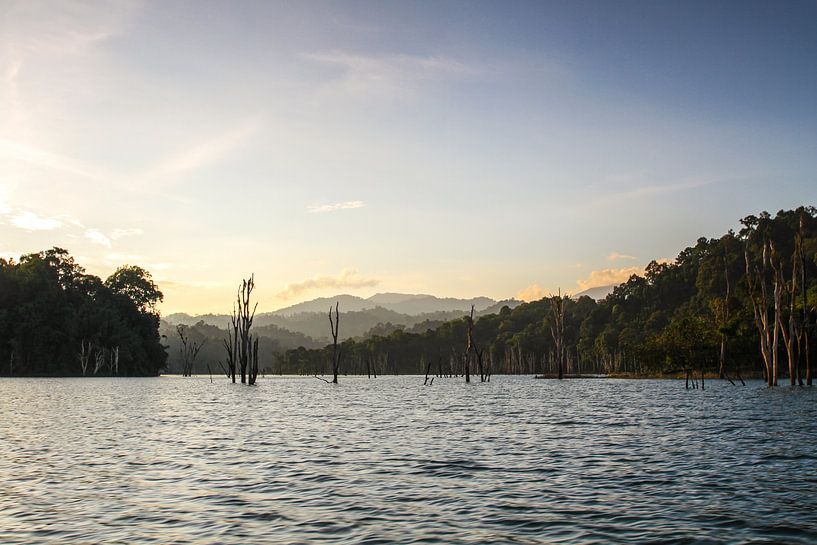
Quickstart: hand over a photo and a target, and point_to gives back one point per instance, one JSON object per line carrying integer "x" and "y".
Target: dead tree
{"x": 469, "y": 350}
{"x": 334, "y": 325}
{"x": 114, "y": 360}
{"x": 757, "y": 280}
{"x": 231, "y": 346}
{"x": 99, "y": 359}
{"x": 428, "y": 370}
{"x": 557, "y": 330}
{"x": 188, "y": 350}
{"x": 725, "y": 314}
{"x": 85, "y": 349}
{"x": 804, "y": 326}
{"x": 247, "y": 347}
{"x": 791, "y": 334}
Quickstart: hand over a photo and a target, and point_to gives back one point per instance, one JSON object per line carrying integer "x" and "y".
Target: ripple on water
{"x": 388, "y": 461}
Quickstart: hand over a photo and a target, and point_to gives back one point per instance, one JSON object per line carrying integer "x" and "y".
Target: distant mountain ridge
{"x": 597, "y": 293}
{"x": 359, "y": 315}
{"x": 404, "y": 303}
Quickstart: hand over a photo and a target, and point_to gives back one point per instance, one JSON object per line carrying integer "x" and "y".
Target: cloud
{"x": 615, "y": 256}
{"x": 606, "y": 277}
{"x": 534, "y": 292}
{"x": 116, "y": 234}
{"x": 98, "y": 238}
{"x": 32, "y": 222}
{"x": 386, "y": 75}
{"x": 348, "y": 278}
{"x": 348, "y": 205}
{"x": 204, "y": 153}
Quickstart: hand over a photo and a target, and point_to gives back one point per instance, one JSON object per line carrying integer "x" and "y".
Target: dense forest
{"x": 736, "y": 306}
{"x": 742, "y": 305}
{"x": 57, "y": 320}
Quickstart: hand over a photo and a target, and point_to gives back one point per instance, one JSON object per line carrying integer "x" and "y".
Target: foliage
{"x": 51, "y": 313}
{"x": 672, "y": 318}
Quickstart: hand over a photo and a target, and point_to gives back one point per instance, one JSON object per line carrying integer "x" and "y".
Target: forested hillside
{"x": 736, "y": 305}
{"x": 57, "y": 320}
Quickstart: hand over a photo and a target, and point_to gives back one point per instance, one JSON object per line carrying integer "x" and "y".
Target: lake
{"x": 386, "y": 460}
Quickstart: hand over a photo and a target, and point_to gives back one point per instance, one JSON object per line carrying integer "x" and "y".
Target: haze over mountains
{"x": 381, "y": 312}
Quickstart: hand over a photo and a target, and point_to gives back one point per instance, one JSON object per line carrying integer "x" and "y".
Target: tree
{"x": 138, "y": 285}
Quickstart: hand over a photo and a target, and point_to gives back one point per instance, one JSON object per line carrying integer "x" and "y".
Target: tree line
{"x": 56, "y": 320}
{"x": 742, "y": 305}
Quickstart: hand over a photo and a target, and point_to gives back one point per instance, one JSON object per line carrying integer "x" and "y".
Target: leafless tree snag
{"x": 231, "y": 346}
{"x": 801, "y": 258}
{"x": 188, "y": 350}
{"x": 334, "y": 325}
{"x": 725, "y": 313}
{"x": 757, "y": 278}
{"x": 469, "y": 350}
{"x": 240, "y": 346}
{"x": 84, "y": 355}
{"x": 428, "y": 370}
{"x": 557, "y": 330}
{"x": 247, "y": 347}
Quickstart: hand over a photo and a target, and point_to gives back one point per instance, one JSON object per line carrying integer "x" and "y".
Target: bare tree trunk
{"x": 767, "y": 330}
{"x": 557, "y": 330}
{"x": 722, "y": 361}
{"x": 84, "y": 355}
{"x": 470, "y": 348}
{"x": 804, "y": 299}
{"x": 333, "y": 325}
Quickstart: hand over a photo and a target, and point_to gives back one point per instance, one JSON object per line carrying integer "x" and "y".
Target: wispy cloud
{"x": 347, "y": 205}
{"x": 386, "y": 75}
{"x": 32, "y": 222}
{"x": 348, "y": 278}
{"x": 116, "y": 234}
{"x": 615, "y": 256}
{"x": 202, "y": 154}
{"x": 98, "y": 238}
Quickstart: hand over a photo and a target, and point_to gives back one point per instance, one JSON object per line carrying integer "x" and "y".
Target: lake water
{"x": 386, "y": 460}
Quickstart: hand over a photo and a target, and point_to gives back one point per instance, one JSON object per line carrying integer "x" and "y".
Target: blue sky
{"x": 453, "y": 148}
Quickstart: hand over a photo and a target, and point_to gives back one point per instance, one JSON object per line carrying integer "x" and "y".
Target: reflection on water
{"x": 295, "y": 460}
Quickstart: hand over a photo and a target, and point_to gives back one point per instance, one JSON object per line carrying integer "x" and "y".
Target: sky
{"x": 505, "y": 149}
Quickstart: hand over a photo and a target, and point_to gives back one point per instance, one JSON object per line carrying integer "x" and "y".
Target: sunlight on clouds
{"x": 534, "y": 292}
{"x": 348, "y": 278}
{"x": 606, "y": 277}
{"x": 116, "y": 234}
{"x": 615, "y": 256}
{"x": 97, "y": 238}
{"x": 32, "y": 222}
{"x": 348, "y": 205}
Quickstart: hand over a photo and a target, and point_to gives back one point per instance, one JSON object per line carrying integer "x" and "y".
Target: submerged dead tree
{"x": 231, "y": 347}
{"x": 247, "y": 346}
{"x": 240, "y": 346}
{"x": 469, "y": 350}
{"x": 188, "y": 350}
{"x": 334, "y": 325}
{"x": 557, "y": 330}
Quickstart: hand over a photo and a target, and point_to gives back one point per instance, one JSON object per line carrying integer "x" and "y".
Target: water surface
{"x": 386, "y": 460}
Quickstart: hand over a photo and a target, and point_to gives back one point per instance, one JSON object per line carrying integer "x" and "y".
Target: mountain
{"x": 598, "y": 293}
{"x": 359, "y": 317}
{"x": 404, "y": 303}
